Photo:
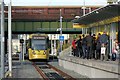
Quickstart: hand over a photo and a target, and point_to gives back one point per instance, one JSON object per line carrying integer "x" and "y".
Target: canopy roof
{"x": 99, "y": 14}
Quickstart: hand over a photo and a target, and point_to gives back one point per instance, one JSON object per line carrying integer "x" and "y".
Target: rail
{"x": 49, "y": 72}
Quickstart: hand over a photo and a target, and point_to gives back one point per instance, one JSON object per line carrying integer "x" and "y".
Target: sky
{"x": 56, "y": 2}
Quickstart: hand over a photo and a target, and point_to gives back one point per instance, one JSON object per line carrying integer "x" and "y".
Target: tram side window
{"x": 29, "y": 43}
{"x": 48, "y": 43}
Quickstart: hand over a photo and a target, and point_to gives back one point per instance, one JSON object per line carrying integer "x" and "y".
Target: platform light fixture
{"x": 96, "y": 12}
{"x": 77, "y": 17}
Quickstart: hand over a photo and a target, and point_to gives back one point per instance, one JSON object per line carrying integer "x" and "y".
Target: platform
{"x": 90, "y": 68}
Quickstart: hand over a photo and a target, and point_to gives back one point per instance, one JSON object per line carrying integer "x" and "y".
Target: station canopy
{"x": 99, "y": 14}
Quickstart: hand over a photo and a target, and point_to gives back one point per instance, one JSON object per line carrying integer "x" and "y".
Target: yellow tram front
{"x": 38, "y": 48}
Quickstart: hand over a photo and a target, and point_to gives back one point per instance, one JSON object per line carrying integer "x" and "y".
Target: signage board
{"x": 61, "y": 38}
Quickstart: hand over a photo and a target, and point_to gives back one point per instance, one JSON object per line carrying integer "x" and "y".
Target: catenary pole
{"x": 2, "y": 41}
{"x": 60, "y": 30}
{"x": 51, "y": 42}
{"x": 9, "y": 40}
{"x": 24, "y": 46}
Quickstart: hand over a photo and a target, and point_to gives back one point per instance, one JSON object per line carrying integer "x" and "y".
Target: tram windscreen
{"x": 39, "y": 44}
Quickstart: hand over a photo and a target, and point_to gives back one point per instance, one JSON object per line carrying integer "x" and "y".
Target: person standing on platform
{"x": 115, "y": 50}
{"x": 84, "y": 46}
{"x": 104, "y": 42}
{"x": 89, "y": 40}
{"x": 74, "y": 47}
{"x": 94, "y": 47}
{"x": 79, "y": 47}
{"x": 98, "y": 47}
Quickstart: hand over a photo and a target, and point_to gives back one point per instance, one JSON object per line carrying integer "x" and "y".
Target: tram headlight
{"x": 44, "y": 52}
{"x": 33, "y": 52}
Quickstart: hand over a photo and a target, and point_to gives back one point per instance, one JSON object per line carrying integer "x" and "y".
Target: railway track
{"x": 49, "y": 72}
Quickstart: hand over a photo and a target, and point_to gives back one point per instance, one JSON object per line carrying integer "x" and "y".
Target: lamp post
{"x": 9, "y": 39}
{"x": 84, "y": 8}
{"x": 60, "y": 30}
{"x": 2, "y": 41}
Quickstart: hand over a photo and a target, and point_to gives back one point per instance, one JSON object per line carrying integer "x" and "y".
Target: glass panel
{"x": 39, "y": 44}
{"x": 38, "y": 47}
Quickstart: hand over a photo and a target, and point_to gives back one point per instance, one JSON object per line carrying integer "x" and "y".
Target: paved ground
{"x": 26, "y": 69}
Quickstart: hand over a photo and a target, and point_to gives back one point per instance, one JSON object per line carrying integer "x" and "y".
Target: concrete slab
{"x": 70, "y": 72}
{"x": 91, "y": 68}
{"x": 25, "y": 70}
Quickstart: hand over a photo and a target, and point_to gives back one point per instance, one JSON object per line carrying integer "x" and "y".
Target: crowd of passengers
{"x": 94, "y": 47}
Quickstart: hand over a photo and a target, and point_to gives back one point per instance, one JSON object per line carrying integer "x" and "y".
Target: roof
{"x": 99, "y": 14}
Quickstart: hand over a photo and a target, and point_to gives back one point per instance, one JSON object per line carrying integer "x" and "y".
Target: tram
{"x": 38, "y": 47}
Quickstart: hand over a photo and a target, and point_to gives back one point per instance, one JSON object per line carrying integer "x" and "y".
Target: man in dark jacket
{"x": 98, "y": 47}
{"x": 79, "y": 47}
{"x": 89, "y": 41}
{"x": 84, "y": 46}
{"x": 94, "y": 46}
{"x": 104, "y": 41}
